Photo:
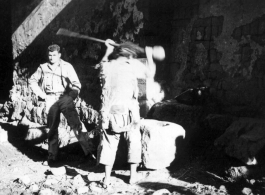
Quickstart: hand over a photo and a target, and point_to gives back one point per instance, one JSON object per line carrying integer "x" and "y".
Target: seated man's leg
{"x": 67, "y": 107}
{"x": 82, "y": 138}
{"x": 53, "y": 121}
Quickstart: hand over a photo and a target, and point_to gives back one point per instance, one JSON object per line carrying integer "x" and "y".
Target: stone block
{"x": 246, "y": 29}
{"x": 212, "y": 75}
{"x": 199, "y": 23}
{"x": 219, "y": 56}
{"x": 159, "y": 143}
{"x": 176, "y": 15}
{"x": 246, "y": 53}
{"x": 216, "y": 67}
{"x": 181, "y": 13}
{"x": 254, "y": 27}
{"x": 243, "y": 139}
{"x": 258, "y": 38}
{"x": 217, "y": 21}
{"x": 220, "y": 30}
{"x": 187, "y": 3}
{"x": 200, "y": 33}
{"x": 213, "y": 55}
{"x": 206, "y": 44}
{"x": 261, "y": 29}
{"x": 195, "y": 10}
{"x": 58, "y": 171}
{"x": 208, "y": 22}
{"x": 237, "y": 33}
{"x": 212, "y": 45}
{"x": 188, "y": 116}
{"x": 188, "y": 12}
{"x": 193, "y": 34}
{"x": 215, "y": 32}
{"x": 208, "y": 32}
{"x": 246, "y": 64}
{"x": 217, "y": 124}
{"x": 180, "y": 23}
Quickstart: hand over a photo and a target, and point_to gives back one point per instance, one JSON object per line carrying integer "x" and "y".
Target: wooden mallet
{"x": 158, "y": 51}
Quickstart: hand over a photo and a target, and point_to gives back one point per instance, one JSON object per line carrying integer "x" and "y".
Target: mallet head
{"x": 159, "y": 53}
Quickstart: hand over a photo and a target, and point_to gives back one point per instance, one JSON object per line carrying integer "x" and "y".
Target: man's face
{"x": 54, "y": 57}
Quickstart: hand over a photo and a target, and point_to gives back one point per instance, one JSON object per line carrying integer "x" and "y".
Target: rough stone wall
{"x": 36, "y": 22}
{"x": 34, "y": 27}
{"x": 220, "y": 44}
{"x": 214, "y": 43}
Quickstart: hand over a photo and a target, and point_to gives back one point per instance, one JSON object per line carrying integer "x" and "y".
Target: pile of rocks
{"x": 23, "y": 107}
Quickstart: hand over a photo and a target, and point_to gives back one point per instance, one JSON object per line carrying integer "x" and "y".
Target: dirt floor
{"x": 201, "y": 170}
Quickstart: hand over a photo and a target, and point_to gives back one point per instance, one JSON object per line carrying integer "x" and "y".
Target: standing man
{"x": 120, "y": 108}
{"x": 56, "y": 83}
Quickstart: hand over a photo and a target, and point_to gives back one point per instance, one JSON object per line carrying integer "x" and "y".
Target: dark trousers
{"x": 66, "y": 106}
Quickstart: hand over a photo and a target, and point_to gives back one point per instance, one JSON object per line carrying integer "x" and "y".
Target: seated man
{"x": 56, "y": 82}
{"x": 120, "y": 108}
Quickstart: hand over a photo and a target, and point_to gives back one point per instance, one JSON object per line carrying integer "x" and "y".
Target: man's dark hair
{"x": 54, "y": 47}
{"x": 127, "y": 49}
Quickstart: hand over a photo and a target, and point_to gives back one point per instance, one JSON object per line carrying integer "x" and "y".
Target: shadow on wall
{"x": 5, "y": 50}
{"x": 27, "y": 11}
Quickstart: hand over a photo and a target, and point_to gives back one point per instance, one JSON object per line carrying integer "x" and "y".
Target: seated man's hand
{"x": 73, "y": 94}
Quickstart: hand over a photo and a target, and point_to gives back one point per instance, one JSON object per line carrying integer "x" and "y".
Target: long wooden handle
{"x": 68, "y": 33}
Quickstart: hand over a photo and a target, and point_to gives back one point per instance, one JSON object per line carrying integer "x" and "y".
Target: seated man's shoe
{"x": 50, "y": 163}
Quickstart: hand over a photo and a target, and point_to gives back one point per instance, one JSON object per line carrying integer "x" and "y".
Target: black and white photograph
{"x": 132, "y": 97}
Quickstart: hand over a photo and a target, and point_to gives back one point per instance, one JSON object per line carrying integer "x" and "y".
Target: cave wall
{"x": 35, "y": 23}
{"x": 220, "y": 44}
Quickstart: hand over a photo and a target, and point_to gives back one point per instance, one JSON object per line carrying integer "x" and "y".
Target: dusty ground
{"x": 200, "y": 170}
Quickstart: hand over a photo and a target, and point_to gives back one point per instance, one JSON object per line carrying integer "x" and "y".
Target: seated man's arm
{"x": 34, "y": 83}
{"x": 74, "y": 84}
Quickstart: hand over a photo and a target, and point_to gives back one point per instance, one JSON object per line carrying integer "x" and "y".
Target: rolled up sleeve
{"x": 34, "y": 83}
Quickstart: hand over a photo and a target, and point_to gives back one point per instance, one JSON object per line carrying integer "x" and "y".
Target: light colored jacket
{"x": 69, "y": 78}
{"x": 119, "y": 87}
